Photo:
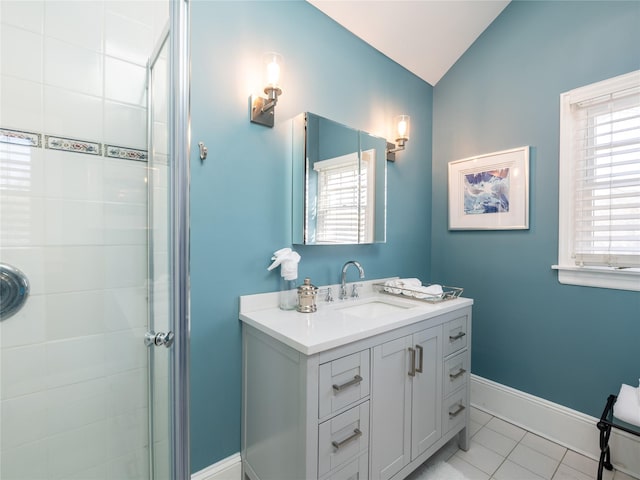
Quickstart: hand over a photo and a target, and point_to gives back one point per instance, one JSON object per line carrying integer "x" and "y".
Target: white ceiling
{"x": 425, "y": 36}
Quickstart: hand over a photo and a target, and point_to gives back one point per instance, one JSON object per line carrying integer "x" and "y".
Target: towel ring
{"x": 14, "y": 290}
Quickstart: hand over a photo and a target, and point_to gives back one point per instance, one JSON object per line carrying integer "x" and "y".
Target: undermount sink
{"x": 374, "y": 307}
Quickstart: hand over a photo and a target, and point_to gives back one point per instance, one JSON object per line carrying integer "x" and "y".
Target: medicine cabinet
{"x": 339, "y": 183}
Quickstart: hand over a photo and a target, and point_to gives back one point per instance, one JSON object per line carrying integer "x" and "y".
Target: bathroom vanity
{"x": 362, "y": 388}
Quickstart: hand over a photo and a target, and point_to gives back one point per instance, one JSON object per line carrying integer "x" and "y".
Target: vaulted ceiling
{"x": 425, "y": 36}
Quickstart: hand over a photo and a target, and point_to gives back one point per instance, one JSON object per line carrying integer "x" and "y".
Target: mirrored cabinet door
{"x": 339, "y": 186}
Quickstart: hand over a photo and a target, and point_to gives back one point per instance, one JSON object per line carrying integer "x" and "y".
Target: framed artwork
{"x": 490, "y": 192}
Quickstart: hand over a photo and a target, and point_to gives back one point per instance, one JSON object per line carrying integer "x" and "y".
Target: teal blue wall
{"x": 568, "y": 344}
{"x": 572, "y": 345}
{"x": 240, "y": 196}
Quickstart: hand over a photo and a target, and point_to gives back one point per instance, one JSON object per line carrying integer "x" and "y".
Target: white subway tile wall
{"x": 21, "y": 103}
{"x": 73, "y": 383}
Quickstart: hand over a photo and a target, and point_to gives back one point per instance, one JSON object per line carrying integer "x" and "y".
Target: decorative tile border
{"x": 31, "y": 139}
{"x": 125, "y": 153}
{"x": 72, "y": 145}
{"x": 18, "y": 137}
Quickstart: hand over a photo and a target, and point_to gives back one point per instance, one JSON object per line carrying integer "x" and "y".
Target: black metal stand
{"x": 605, "y": 425}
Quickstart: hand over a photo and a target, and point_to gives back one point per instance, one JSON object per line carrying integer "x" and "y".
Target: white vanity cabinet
{"x": 371, "y": 404}
{"x": 303, "y": 417}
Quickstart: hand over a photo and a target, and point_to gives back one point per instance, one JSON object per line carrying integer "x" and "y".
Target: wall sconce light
{"x": 403, "y": 127}
{"x": 263, "y": 109}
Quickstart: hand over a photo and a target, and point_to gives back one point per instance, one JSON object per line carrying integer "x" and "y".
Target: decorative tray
{"x": 448, "y": 293}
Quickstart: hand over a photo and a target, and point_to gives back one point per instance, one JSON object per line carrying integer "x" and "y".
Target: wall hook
{"x": 203, "y": 150}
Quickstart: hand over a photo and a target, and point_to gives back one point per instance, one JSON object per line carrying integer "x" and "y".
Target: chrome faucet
{"x": 343, "y": 287}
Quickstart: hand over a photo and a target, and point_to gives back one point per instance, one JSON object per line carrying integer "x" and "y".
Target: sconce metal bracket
{"x": 393, "y": 148}
{"x": 266, "y": 117}
{"x": 391, "y": 152}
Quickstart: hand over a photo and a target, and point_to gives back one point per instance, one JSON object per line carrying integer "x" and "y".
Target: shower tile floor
{"x": 502, "y": 451}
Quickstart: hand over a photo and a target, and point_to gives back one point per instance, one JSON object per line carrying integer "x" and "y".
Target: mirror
{"x": 339, "y": 183}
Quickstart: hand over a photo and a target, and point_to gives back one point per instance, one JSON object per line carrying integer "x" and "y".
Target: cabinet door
{"x": 426, "y": 399}
{"x": 391, "y": 408}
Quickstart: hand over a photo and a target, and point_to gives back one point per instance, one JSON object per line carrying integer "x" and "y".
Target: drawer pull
{"x": 456, "y": 337}
{"x": 457, "y": 411}
{"x": 357, "y": 379}
{"x": 356, "y": 434}
{"x": 421, "y": 361}
{"x": 453, "y": 376}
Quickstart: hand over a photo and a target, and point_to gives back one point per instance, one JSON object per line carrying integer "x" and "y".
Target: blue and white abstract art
{"x": 486, "y": 192}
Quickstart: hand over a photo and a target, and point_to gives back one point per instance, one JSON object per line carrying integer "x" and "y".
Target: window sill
{"x": 600, "y": 277}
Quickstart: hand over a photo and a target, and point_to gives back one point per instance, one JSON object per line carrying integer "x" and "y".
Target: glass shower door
{"x": 159, "y": 338}
{"x": 78, "y": 186}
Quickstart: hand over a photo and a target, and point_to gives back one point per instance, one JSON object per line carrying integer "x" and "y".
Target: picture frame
{"x": 490, "y": 192}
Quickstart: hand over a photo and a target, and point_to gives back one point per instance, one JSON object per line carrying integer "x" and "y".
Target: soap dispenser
{"x": 307, "y": 294}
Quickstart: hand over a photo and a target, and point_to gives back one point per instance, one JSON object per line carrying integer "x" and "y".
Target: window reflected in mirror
{"x": 339, "y": 184}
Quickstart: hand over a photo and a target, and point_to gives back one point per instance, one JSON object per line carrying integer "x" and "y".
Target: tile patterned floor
{"x": 502, "y": 451}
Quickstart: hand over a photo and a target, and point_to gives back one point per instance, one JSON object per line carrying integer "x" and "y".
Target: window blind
{"x": 606, "y": 159}
{"x": 341, "y": 208}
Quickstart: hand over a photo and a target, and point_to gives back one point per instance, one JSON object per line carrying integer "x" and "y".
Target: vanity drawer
{"x": 343, "y": 438}
{"x": 456, "y": 372}
{"x": 454, "y": 411}
{"x": 343, "y": 382}
{"x": 357, "y": 469}
{"x": 455, "y": 335}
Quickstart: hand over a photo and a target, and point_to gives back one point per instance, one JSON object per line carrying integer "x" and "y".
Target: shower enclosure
{"x": 94, "y": 216}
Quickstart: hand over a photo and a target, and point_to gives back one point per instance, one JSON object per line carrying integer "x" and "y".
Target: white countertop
{"x": 333, "y": 325}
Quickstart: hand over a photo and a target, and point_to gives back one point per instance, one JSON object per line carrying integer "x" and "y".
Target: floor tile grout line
{"x": 504, "y": 459}
{"x": 518, "y": 442}
{"x": 499, "y": 466}
{"x": 559, "y": 464}
{"x": 550, "y": 441}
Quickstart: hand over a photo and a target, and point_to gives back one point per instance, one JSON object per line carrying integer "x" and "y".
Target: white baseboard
{"x": 565, "y": 426}
{"x": 570, "y": 428}
{"x": 226, "y": 469}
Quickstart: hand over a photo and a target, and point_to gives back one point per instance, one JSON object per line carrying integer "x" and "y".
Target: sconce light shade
{"x": 273, "y": 64}
{"x": 402, "y": 125}
{"x": 263, "y": 109}
{"x": 403, "y": 128}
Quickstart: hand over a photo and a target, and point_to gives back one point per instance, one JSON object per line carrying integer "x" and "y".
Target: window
{"x": 344, "y": 209}
{"x": 600, "y": 184}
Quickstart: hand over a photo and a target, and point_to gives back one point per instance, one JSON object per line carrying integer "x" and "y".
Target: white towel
{"x": 410, "y": 285}
{"x": 627, "y": 406}
{"x": 411, "y": 282}
{"x": 427, "y": 292}
{"x": 395, "y": 286}
{"x": 390, "y": 286}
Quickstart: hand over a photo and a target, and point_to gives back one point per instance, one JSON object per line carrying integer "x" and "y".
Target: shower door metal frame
{"x": 179, "y": 148}
{"x": 177, "y": 37}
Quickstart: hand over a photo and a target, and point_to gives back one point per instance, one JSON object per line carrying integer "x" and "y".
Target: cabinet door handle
{"x": 453, "y": 376}
{"x": 412, "y": 372}
{"x": 456, "y": 337}
{"x": 356, "y": 434}
{"x": 421, "y": 351}
{"x": 457, "y": 411}
{"x": 357, "y": 379}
